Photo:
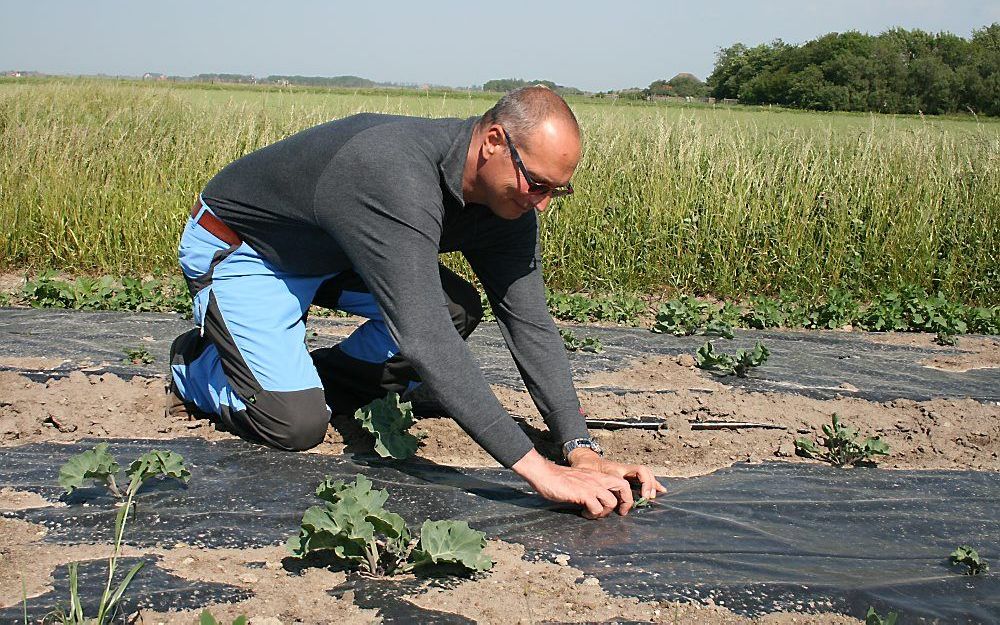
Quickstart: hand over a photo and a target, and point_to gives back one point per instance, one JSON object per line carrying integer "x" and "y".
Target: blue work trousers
{"x": 247, "y": 362}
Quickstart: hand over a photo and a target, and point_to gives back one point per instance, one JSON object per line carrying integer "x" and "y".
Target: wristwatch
{"x": 576, "y": 443}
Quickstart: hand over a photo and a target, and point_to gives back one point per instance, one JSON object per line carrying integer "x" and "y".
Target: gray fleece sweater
{"x": 383, "y": 194}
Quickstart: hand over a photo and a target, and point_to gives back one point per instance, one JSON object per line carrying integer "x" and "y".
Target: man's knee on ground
{"x": 291, "y": 420}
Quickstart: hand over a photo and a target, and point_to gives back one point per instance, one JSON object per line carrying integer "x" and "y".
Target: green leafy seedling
{"x": 740, "y": 364}
{"x": 874, "y": 618}
{"x": 717, "y": 327}
{"x": 681, "y": 316}
{"x": 389, "y": 419}
{"x": 840, "y": 446}
{"x": 641, "y": 502}
{"x": 97, "y": 464}
{"x": 207, "y": 618}
{"x": 353, "y": 525}
{"x": 590, "y": 344}
{"x": 157, "y": 463}
{"x": 970, "y": 558}
{"x": 138, "y": 356}
{"x": 747, "y": 360}
{"x": 710, "y": 360}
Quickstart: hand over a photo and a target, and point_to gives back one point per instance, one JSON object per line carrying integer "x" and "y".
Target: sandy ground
{"x": 940, "y": 433}
{"x": 953, "y": 433}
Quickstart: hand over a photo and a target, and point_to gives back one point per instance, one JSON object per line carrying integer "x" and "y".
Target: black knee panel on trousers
{"x": 288, "y": 420}
{"x": 351, "y": 383}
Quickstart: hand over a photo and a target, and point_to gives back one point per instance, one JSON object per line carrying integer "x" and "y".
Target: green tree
{"x": 899, "y": 70}
{"x": 688, "y": 86}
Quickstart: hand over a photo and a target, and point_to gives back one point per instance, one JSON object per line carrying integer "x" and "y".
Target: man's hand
{"x": 583, "y": 458}
{"x": 599, "y": 493}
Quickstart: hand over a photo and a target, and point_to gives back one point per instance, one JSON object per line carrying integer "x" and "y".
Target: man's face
{"x": 549, "y": 157}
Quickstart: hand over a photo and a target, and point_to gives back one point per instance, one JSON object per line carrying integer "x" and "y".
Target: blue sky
{"x": 587, "y": 44}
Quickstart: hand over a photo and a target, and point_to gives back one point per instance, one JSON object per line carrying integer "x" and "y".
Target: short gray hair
{"x": 522, "y": 110}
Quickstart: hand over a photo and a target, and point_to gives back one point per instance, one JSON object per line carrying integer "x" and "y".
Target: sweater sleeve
{"x": 510, "y": 271}
{"x": 388, "y": 220}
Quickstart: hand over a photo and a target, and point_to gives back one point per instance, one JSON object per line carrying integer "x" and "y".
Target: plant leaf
{"x": 158, "y": 463}
{"x": 122, "y": 587}
{"x": 333, "y": 527}
{"x": 206, "y": 618}
{"x": 94, "y": 463}
{"x": 389, "y": 419}
{"x": 452, "y": 542}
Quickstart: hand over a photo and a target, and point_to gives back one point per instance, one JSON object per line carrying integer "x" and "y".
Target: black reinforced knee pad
{"x": 288, "y": 420}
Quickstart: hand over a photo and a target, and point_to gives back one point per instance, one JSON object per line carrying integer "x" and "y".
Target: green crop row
{"x": 168, "y": 294}
{"x": 910, "y": 309}
{"x": 97, "y": 177}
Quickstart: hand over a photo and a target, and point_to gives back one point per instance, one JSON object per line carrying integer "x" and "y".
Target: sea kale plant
{"x": 840, "y": 446}
{"x": 681, "y": 316}
{"x": 872, "y": 617}
{"x": 969, "y": 557}
{"x": 685, "y": 316}
{"x": 590, "y": 344}
{"x": 739, "y": 364}
{"x": 353, "y": 526}
{"x": 98, "y": 465}
{"x": 389, "y": 420}
{"x": 615, "y": 307}
{"x": 168, "y": 294}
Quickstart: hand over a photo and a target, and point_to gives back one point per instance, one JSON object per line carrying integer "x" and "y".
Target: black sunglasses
{"x": 534, "y": 188}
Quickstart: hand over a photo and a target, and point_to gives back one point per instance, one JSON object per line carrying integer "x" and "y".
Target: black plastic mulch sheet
{"x": 152, "y": 588}
{"x": 755, "y": 538}
{"x": 812, "y": 363}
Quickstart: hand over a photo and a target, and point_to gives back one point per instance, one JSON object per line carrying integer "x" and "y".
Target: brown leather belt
{"x": 213, "y": 224}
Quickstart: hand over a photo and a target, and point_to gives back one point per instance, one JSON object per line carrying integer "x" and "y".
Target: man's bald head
{"x": 523, "y": 110}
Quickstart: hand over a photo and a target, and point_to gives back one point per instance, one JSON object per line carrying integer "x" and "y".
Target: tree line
{"x": 897, "y": 71}
{"x": 503, "y": 85}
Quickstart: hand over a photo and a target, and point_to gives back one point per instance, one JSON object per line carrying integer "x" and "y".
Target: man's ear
{"x": 493, "y": 140}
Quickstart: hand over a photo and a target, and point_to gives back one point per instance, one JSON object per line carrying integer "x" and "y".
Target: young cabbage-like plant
{"x": 207, "y": 618}
{"x": 389, "y": 419}
{"x": 874, "y": 618}
{"x": 740, "y": 364}
{"x": 98, "y": 465}
{"x": 966, "y": 555}
{"x": 685, "y": 316}
{"x": 840, "y": 446}
{"x": 590, "y": 344}
{"x": 353, "y": 525}
{"x": 681, "y": 316}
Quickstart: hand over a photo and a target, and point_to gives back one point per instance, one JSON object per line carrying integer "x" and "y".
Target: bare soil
{"x": 953, "y": 433}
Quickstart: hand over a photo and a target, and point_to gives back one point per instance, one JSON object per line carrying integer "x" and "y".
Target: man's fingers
{"x": 623, "y": 491}
{"x": 593, "y": 508}
{"x": 608, "y": 500}
{"x": 650, "y": 487}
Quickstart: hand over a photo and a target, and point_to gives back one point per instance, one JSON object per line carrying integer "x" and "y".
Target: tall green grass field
{"x": 98, "y": 176}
